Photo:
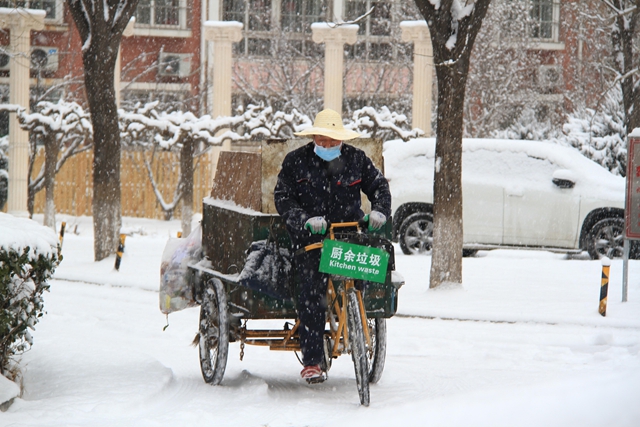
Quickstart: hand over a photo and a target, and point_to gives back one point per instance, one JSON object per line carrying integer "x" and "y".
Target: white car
{"x": 516, "y": 194}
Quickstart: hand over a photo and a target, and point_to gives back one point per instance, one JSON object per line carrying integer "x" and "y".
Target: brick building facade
{"x": 167, "y": 58}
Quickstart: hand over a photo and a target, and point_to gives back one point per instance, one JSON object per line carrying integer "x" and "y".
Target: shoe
{"x": 313, "y": 374}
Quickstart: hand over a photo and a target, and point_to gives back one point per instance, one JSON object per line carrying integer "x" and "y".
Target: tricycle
{"x": 356, "y": 309}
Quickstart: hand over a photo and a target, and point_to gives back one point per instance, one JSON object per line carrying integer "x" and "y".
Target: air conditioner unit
{"x": 549, "y": 76}
{"x": 174, "y": 64}
{"x": 42, "y": 57}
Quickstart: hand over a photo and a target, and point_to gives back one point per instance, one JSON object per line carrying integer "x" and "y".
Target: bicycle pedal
{"x": 317, "y": 380}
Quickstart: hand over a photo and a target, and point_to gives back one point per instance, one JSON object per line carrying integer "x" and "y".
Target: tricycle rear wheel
{"x": 357, "y": 344}
{"x": 214, "y": 332}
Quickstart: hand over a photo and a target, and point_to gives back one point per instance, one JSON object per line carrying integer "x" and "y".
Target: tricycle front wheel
{"x": 377, "y": 352}
{"x": 357, "y": 344}
{"x": 214, "y": 332}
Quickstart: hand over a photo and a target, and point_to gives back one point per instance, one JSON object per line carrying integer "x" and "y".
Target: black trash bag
{"x": 268, "y": 270}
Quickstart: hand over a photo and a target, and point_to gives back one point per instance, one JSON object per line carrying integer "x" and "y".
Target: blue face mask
{"x": 328, "y": 154}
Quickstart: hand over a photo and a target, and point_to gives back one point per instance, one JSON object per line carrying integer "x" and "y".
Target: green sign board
{"x": 355, "y": 261}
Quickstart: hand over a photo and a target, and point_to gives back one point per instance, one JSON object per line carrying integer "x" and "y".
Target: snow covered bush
{"x": 527, "y": 125}
{"x": 28, "y": 258}
{"x": 600, "y": 135}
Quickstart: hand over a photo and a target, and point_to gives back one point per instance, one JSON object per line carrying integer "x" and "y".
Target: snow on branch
{"x": 169, "y": 130}
{"x": 63, "y": 124}
{"x": 371, "y": 124}
{"x": 340, "y": 22}
{"x": 66, "y": 119}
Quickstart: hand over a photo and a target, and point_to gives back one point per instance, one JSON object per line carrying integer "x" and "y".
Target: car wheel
{"x": 606, "y": 238}
{"x": 416, "y": 234}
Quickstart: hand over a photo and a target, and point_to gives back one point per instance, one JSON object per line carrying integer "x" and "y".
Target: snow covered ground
{"x": 522, "y": 344}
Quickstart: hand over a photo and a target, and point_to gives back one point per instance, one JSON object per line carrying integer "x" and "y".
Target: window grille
{"x": 52, "y": 8}
{"x": 170, "y": 14}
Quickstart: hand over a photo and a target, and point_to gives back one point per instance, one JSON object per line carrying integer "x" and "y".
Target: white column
{"x": 418, "y": 33}
{"x": 128, "y": 31}
{"x": 338, "y": 9}
{"x": 20, "y": 23}
{"x": 223, "y": 34}
{"x": 334, "y": 38}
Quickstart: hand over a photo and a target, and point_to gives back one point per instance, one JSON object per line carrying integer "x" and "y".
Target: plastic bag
{"x": 176, "y": 292}
{"x": 267, "y": 270}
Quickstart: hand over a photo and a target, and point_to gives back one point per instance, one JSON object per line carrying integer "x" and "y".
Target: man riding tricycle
{"x": 321, "y": 264}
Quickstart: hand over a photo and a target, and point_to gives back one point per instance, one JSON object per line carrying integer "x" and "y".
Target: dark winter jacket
{"x": 309, "y": 186}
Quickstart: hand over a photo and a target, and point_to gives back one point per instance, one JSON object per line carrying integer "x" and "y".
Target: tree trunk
{"x": 623, "y": 39}
{"x": 106, "y": 150}
{"x": 186, "y": 170}
{"x": 446, "y": 260}
{"x": 51, "y": 150}
{"x": 452, "y": 38}
{"x": 100, "y": 25}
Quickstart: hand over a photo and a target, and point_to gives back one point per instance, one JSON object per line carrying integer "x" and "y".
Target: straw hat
{"x": 329, "y": 123}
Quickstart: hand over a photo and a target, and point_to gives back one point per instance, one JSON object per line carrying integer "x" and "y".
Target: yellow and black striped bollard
{"x": 120, "y": 251}
{"x": 604, "y": 286}
{"x": 62, "y": 227}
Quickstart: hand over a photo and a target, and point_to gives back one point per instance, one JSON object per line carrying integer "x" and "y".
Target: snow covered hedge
{"x": 599, "y": 134}
{"x": 28, "y": 258}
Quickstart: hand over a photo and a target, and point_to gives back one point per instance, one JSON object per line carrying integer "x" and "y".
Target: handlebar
{"x": 360, "y": 225}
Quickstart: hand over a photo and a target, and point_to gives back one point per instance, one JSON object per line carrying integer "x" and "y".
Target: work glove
{"x": 316, "y": 225}
{"x": 375, "y": 220}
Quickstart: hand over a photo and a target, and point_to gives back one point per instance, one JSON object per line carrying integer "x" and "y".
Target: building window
{"x": 375, "y": 41}
{"x": 545, "y": 18}
{"x": 378, "y": 23}
{"x": 255, "y": 16}
{"x": 52, "y": 8}
{"x": 297, "y": 15}
{"x": 270, "y": 25}
{"x": 162, "y": 14}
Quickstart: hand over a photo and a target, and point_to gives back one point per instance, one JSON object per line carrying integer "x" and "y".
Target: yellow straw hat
{"x": 329, "y": 123}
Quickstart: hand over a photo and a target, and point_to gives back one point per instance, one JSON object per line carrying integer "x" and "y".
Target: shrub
{"x": 28, "y": 258}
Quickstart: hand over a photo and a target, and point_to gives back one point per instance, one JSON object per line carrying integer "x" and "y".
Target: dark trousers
{"x": 312, "y": 306}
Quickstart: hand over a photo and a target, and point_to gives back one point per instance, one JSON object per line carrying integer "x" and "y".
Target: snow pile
{"x": 19, "y": 233}
{"x": 8, "y": 390}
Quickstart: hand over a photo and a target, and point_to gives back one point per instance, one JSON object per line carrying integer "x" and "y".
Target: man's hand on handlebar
{"x": 375, "y": 220}
{"x": 316, "y": 225}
